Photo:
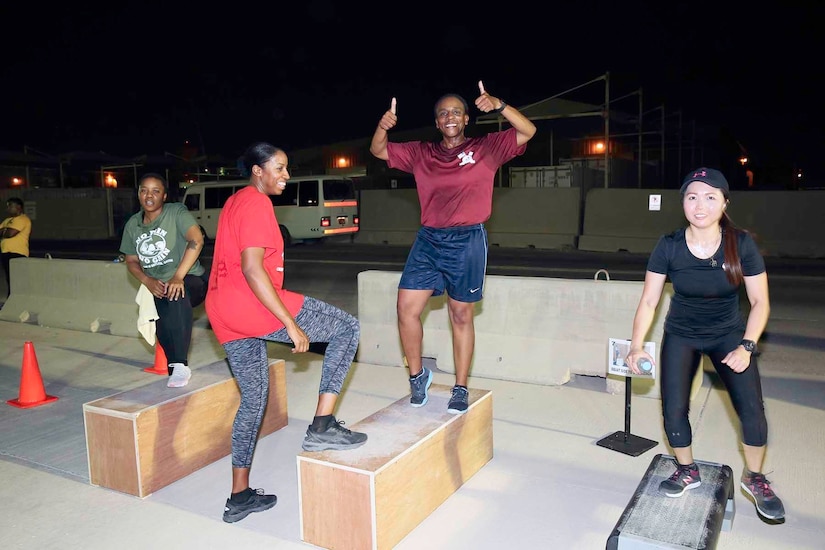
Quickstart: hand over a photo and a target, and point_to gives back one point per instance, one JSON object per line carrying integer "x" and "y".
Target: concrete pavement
{"x": 548, "y": 485}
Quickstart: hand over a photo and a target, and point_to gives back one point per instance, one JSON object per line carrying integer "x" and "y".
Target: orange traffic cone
{"x": 32, "y": 392}
{"x": 160, "y": 366}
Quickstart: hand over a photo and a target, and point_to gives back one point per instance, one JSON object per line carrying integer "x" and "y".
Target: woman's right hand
{"x": 298, "y": 337}
{"x": 156, "y": 287}
{"x": 634, "y": 356}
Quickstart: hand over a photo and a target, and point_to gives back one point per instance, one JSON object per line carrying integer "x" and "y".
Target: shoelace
{"x": 681, "y": 471}
{"x": 258, "y": 492}
{"x": 760, "y": 483}
{"x": 420, "y": 381}
{"x": 339, "y": 426}
{"x": 459, "y": 391}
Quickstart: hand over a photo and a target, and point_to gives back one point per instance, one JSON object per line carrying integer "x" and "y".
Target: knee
{"x": 406, "y": 311}
{"x": 461, "y": 315}
{"x": 351, "y": 327}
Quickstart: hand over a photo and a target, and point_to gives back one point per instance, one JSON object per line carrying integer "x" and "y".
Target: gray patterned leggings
{"x": 248, "y": 361}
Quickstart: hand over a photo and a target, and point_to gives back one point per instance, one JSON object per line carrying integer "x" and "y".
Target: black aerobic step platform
{"x": 692, "y": 521}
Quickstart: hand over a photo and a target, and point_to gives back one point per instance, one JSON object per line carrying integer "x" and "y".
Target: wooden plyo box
{"x": 415, "y": 458}
{"x": 141, "y": 440}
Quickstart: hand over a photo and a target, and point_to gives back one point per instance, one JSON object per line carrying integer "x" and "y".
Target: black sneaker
{"x": 759, "y": 489}
{"x": 335, "y": 438}
{"x": 419, "y": 386}
{"x": 459, "y": 401}
{"x": 685, "y": 477}
{"x": 257, "y": 502}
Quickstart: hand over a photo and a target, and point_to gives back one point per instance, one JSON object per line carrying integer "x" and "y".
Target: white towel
{"x": 147, "y": 314}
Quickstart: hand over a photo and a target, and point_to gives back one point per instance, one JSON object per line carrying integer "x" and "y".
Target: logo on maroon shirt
{"x": 466, "y": 158}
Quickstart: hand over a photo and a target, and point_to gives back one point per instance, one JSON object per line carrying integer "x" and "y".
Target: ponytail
{"x": 730, "y": 238}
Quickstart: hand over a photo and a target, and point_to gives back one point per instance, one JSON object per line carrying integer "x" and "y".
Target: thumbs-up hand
{"x": 485, "y": 102}
{"x": 389, "y": 120}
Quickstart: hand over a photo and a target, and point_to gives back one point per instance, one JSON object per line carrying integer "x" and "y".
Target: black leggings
{"x": 680, "y": 359}
{"x": 174, "y": 324}
{"x": 6, "y": 259}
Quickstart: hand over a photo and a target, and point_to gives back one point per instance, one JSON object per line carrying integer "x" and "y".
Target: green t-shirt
{"x": 160, "y": 244}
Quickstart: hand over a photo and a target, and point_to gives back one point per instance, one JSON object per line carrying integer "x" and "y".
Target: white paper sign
{"x": 654, "y": 202}
{"x": 618, "y": 349}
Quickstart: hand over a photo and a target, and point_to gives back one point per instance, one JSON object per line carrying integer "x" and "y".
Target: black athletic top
{"x": 704, "y": 304}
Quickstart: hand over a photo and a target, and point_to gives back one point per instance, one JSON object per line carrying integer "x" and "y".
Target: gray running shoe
{"x": 180, "y": 375}
{"x": 759, "y": 489}
{"x": 459, "y": 401}
{"x": 685, "y": 477}
{"x": 257, "y": 502}
{"x": 335, "y": 438}
{"x": 419, "y": 386}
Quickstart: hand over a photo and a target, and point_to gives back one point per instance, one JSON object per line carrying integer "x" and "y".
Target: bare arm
{"x": 175, "y": 287}
{"x": 252, "y": 265}
{"x": 378, "y": 146}
{"x": 8, "y": 232}
{"x": 645, "y": 312}
{"x": 756, "y": 287}
{"x": 524, "y": 127}
{"x": 155, "y": 286}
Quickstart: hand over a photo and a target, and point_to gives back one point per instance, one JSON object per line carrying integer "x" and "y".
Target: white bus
{"x": 310, "y": 208}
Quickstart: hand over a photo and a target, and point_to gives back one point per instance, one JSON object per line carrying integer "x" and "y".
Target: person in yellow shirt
{"x": 14, "y": 236}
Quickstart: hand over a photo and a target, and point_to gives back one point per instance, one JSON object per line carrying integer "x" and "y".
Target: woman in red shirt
{"x": 248, "y": 306}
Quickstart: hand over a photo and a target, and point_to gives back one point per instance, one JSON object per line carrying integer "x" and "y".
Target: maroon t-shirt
{"x": 455, "y": 186}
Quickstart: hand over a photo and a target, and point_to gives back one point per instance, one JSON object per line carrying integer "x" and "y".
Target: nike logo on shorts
{"x": 474, "y": 290}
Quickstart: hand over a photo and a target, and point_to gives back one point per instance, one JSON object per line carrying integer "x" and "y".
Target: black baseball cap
{"x": 712, "y": 177}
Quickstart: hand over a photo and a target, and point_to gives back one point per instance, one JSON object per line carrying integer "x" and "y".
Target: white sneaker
{"x": 180, "y": 375}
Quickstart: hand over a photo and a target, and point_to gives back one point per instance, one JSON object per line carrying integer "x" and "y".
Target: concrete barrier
{"x": 784, "y": 222}
{"x": 528, "y": 329}
{"x": 76, "y": 213}
{"x": 531, "y": 217}
{"x": 534, "y": 217}
{"x": 84, "y": 295}
{"x": 388, "y": 216}
{"x": 612, "y": 219}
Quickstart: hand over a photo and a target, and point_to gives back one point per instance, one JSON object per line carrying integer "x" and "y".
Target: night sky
{"x": 141, "y": 78}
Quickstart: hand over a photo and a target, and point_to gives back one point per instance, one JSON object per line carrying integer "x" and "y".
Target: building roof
{"x": 549, "y": 108}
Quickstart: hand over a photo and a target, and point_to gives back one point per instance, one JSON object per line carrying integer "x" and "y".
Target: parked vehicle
{"x": 310, "y": 208}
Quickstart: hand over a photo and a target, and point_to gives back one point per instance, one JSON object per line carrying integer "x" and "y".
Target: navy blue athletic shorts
{"x": 451, "y": 259}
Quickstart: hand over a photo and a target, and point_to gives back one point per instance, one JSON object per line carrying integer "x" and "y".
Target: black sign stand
{"x": 624, "y": 441}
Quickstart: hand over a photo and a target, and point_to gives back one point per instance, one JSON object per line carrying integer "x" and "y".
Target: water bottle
{"x": 644, "y": 365}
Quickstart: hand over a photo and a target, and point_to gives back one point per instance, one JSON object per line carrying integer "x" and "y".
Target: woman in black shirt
{"x": 707, "y": 262}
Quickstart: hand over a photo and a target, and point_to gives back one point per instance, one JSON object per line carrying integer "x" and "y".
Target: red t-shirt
{"x": 247, "y": 220}
{"x": 455, "y": 186}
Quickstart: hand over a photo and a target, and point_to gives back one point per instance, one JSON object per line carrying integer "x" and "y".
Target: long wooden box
{"x": 415, "y": 458}
{"x": 141, "y": 440}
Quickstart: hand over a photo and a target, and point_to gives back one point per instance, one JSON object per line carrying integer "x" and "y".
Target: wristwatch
{"x": 749, "y": 345}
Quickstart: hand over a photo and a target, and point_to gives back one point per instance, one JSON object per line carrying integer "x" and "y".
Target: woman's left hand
{"x": 738, "y": 360}
{"x": 175, "y": 289}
